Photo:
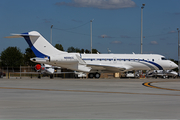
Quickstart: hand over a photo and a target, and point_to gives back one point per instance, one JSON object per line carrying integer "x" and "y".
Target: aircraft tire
{"x": 164, "y": 77}
{"x": 51, "y": 76}
{"x": 75, "y": 76}
{"x": 97, "y": 75}
{"x": 39, "y": 76}
{"x": 90, "y": 75}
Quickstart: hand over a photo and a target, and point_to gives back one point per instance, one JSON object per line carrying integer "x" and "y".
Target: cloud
{"x": 170, "y": 32}
{"x": 153, "y": 42}
{"x": 116, "y": 42}
{"x": 104, "y": 36}
{"x": 100, "y": 4}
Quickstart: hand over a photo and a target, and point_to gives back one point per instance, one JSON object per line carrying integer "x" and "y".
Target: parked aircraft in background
{"x": 50, "y": 70}
{"x": 46, "y": 69}
{"x": 162, "y": 73}
{"x": 94, "y": 64}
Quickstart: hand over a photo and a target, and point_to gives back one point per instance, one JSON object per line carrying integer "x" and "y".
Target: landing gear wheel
{"x": 91, "y": 75}
{"x": 97, "y": 75}
{"x": 164, "y": 77}
{"x": 76, "y": 76}
{"x": 39, "y": 76}
{"x": 51, "y": 76}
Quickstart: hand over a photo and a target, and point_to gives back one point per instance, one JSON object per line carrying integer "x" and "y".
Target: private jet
{"x": 94, "y": 64}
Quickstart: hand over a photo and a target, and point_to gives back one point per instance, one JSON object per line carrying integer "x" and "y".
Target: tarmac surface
{"x": 89, "y": 98}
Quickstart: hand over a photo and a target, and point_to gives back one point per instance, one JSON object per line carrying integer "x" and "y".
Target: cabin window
{"x": 152, "y": 59}
{"x": 163, "y": 58}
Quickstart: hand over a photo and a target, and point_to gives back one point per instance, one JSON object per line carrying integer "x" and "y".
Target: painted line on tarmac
{"x": 88, "y": 91}
{"x": 148, "y": 84}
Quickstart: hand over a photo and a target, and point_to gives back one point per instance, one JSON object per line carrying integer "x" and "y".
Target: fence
{"x": 29, "y": 71}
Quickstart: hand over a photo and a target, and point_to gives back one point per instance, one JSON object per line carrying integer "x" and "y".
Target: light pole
{"x": 51, "y": 34}
{"x": 178, "y": 54}
{"x": 142, "y": 28}
{"x": 91, "y": 33}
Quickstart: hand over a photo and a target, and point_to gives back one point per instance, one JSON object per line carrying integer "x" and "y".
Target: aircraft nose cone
{"x": 174, "y": 65}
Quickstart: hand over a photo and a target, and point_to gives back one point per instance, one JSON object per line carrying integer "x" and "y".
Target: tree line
{"x": 12, "y": 56}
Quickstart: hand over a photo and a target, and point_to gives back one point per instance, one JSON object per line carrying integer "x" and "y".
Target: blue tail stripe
{"x": 36, "y": 52}
{"x": 28, "y": 41}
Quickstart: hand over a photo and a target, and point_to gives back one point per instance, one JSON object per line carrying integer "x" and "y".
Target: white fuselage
{"x": 93, "y": 63}
{"x": 130, "y": 61}
{"x": 107, "y": 62}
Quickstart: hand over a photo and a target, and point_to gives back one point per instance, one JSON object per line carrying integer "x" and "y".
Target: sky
{"x": 116, "y": 24}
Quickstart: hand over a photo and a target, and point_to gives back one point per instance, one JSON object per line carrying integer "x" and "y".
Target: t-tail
{"x": 39, "y": 45}
{"x": 48, "y": 54}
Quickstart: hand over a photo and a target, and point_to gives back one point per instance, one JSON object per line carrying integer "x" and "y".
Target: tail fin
{"x": 39, "y": 45}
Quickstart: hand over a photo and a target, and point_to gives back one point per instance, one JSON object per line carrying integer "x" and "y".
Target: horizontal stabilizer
{"x": 20, "y": 35}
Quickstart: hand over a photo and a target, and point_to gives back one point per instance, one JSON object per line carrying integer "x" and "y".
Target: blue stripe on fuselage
{"x": 160, "y": 68}
{"x": 153, "y": 63}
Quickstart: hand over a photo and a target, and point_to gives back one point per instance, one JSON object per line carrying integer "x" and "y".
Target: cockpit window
{"x": 163, "y": 58}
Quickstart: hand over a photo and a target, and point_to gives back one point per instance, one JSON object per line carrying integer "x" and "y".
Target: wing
{"x": 109, "y": 68}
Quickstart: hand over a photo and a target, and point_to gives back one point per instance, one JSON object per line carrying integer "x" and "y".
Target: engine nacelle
{"x": 64, "y": 58}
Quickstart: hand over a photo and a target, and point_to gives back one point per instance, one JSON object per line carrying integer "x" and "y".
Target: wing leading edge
{"x": 103, "y": 67}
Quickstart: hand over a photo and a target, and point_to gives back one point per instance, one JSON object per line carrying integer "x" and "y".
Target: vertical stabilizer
{"x": 39, "y": 45}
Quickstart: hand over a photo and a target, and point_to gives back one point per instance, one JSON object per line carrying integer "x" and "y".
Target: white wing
{"x": 110, "y": 68}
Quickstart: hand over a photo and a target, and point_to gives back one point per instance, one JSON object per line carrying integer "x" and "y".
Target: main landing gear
{"x": 96, "y": 75}
{"x": 51, "y": 76}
